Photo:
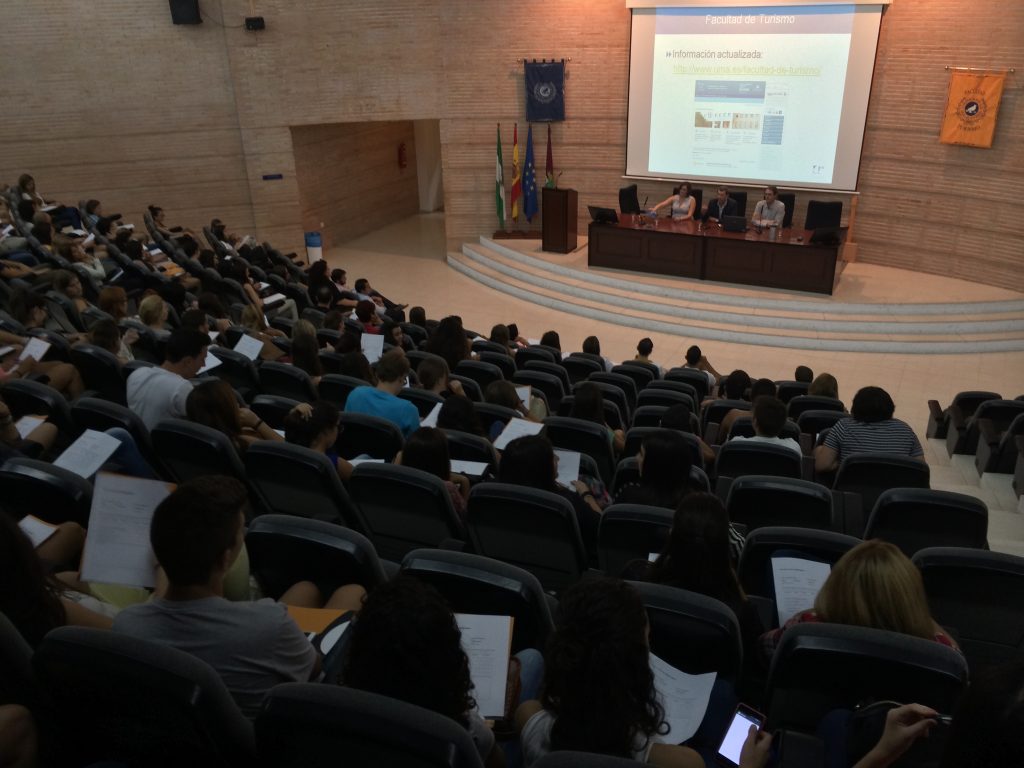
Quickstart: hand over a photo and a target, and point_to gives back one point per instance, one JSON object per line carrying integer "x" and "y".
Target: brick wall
{"x": 228, "y": 99}
{"x": 348, "y": 177}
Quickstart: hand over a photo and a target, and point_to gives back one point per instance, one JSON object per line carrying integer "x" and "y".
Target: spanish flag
{"x": 971, "y": 108}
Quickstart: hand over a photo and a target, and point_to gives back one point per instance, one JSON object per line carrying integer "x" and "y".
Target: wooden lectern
{"x": 558, "y": 223}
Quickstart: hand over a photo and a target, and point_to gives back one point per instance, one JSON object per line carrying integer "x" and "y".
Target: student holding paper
{"x": 158, "y": 393}
{"x": 383, "y": 400}
{"x": 504, "y": 393}
{"x": 589, "y": 406}
{"x": 316, "y": 427}
{"x": 36, "y": 442}
{"x": 63, "y": 377}
{"x": 427, "y": 450}
{"x": 435, "y": 376}
{"x": 213, "y": 404}
{"x": 306, "y": 350}
{"x": 458, "y": 414}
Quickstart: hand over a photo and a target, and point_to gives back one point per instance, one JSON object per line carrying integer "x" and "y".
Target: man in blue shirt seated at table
{"x": 383, "y": 400}
{"x": 771, "y": 211}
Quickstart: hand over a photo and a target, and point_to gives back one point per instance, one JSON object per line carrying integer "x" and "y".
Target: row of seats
{"x": 983, "y": 425}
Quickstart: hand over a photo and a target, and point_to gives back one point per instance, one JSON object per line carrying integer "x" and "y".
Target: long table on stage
{"x": 786, "y": 259}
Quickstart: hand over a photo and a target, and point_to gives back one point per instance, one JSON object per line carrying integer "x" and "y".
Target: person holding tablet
{"x": 684, "y": 206}
{"x": 769, "y": 212}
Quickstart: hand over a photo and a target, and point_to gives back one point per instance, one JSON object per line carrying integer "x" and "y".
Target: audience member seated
{"x": 256, "y": 326}
{"x": 427, "y": 449}
{"x": 733, "y": 387}
{"x": 824, "y": 385}
{"x": 153, "y": 313}
{"x": 434, "y": 376}
{"x": 356, "y": 365}
{"x": 418, "y": 317}
{"x": 598, "y": 692}
{"x": 677, "y": 417}
{"x": 589, "y": 406}
{"x": 760, "y": 388}
{"x": 305, "y": 350}
{"x": 333, "y": 320}
{"x": 701, "y": 556}
{"x": 500, "y": 335}
{"x": 503, "y": 393}
{"x": 664, "y": 463}
{"x": 30, "y": 310}
{"x": 518, "y": 342}
{"x": 63, "y": 377}
{"x": 458, "y": 413}
{"x": 644, "y": 348}
{"x": 171, "y": 233}
{"x": 769, "y": 418}
{"x": 871, "y": 430}
{"x": 213, "y": 404}
{"x": 106, "y": 334}
{"x": 325, "y": 293}
{"x": 367, "y": 315}
{"x": 592, "y": 346}
{"x": 803, "y": 374}
{"x": 383, "y": 400}
{"x": 695, "y": 359}
{"x": 231, "y": 240}
{"x": 316, "y": 427}
{"x": 551, "y": 339}
{"x": 407, "y": 645}
{"x": 286, "y": 308}
{"x": 450, "y": 342}
{"x": 339, "y": 279}
{"x": 75, "y": 252}
{"x": 160, "y": 392}
{"x": 68, "y": 284}
{"x": 394, "y": 335}
{"x": 386, "y": 307}
{"x": 114, "y": 301}
{"x": 873, "y": 585}
{"x": 197, "y": 533}
{"x": 531, "y": 461}
{"x": 35, "y": 443}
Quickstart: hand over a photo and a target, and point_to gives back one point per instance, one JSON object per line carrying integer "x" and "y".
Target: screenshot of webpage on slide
{"x": 749, "y": 92}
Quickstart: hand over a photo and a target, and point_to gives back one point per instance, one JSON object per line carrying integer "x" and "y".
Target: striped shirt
{"x": 849, "y": 436}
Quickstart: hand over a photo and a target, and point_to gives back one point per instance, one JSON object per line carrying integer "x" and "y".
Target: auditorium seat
{"x": 823, "y": 213}
{"x": 650, "y": 416}
{"x": 402, "y": 509}
{"x": 501, "y": 360}
{"x": 414, "y": 332}
{"x": 53, "y": 494}
{"x": 612, "y": 415}
{"x": 463, "y": 446}
{"x": 423, "y": 400}
{"x": 309, "y": 724}
{"x": 614, "y": 394}
{"x": 471, "y": 389}
{"x": 762, "y": 544}
{"x": 585, "y": 437}
{"x": 758, "y": 501}
{"x": 101, "y": 372}
{"x": 635, "y": 437}
{"x": 240, "y": 372}
{"x": 628, "y": 200}
{"x": 716, "y": 410}
{"x": 273, "y": 409}
{"x": 294, "y": 480}
{"x": 814, "y": 423}
{"x": 625, "y": 383}
{"x": 417, "y": 356}
{"x": 964, "y": 433}
{"x": 997, "y": 451}
{"x": 474, "y": 584}
{"x": 334, "y": 387}
{"x": 746, "y": 457}
{"x": 284, "y": 550}
{"x": 120, "y": 698}
{"x": 801, "y": 403}
{"x": 550, "y": 385}
{"x": 579, "y": 368}
{"x": 101, "y": 415}
{"x": 740, "y": 196}
{"x": 630, "y": 532}
{"x": 360, "y": 433}
{"x": 787, "y": 390}
{"x": 482, "y": 373}
{"x": 965, "y": 403}
{"x": 818, "y": 668}
{"x": 286, "y": 380}
{"x": 977, "y": 597}
{"x": 696, "y": 379}
{"x": 627, "y": 471}
{"x": 529, "y": 528}
{"x": 25, "y": 397}
{"x": 555, "y": 369}
{"x": 916, "y": 518}
{"x": 788, "y": 199}
{"x": 485, "y": 345}
{"x": 651, "y": 368}
{"x": 692, "y": 632}
{"x": 488, "y": 413}
{"x": 524, "y": 355}
{"x": 869, "y": 474}
{"x": 743, "y": 426}
{"x": 639, "y": 373}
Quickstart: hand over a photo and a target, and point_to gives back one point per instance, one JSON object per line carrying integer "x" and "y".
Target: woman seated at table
{"x": 683, "y": 205}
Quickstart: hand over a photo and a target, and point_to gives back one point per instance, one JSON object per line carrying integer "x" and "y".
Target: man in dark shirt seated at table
{"x": 722, "y": 205}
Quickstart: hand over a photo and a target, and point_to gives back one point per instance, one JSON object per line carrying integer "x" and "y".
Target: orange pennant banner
{"x": 971, "y": 109}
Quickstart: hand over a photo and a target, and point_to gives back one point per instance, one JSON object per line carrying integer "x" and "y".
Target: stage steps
{"x": 741, "y": 314}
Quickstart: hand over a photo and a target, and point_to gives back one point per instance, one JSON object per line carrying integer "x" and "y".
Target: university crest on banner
{"x": 971, "y": 109}
{"x": 545, "y": 91}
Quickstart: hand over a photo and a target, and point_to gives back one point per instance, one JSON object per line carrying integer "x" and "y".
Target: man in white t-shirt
{"x": 695, "y": 359}
{"x": 769, "y": 418}
{"x": 158, "y": 393}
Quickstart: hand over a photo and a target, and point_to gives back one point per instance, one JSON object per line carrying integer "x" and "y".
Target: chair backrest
{"x": 506, "y": 363}
{"x": 101, "y": 415}
{"x": 547, "y": 383}
{"x": 273, "y": 409}
{"x": 555, "y": 369}
{"x": 309, "y": 724}
{"x": 100, "y": 371}
{"x": 823, "y": 213}
{"x": 623, "y": 382}
{"x": 743, "y": 426}
{"x": 815, "y": 422}
{"x": 298, "y": 481}
{"x": 787, "y": 390}
{"x": 916, "y": 518}
{"x": 695, "y": 378}
{"x": 190, "y": 450}
{"x": 635, "y": 437}
{"x": 532, "y": 529}
{"x": 238, "y": 371}
{"x": 871, "y": 473}
{"x": 286, "y": 381}
{"x": 284, "y": 550}
{"x": 613, "y": 393}
{"x": 762, "y": 543}
{"x": 585, "y": 437}
{"x": 684, "y": 387}
{"x": 51, "y": 493}
{"x": 969, "y": 401}
{"x": 653, "y": 395}
{"x": 579, "y": 368}
{"x": 402, "y": 509}
{"x": 485, "y": 345}
{"x": 821, "y": 667}
{"x": 801, "y": 403}
{"x": 336, "y": 386}
{"x": 27, "y": 397}
{"x": 977, "y": 596}
{"x": 125, "y": 699}
{"x": 488, "y": 413}
{"x": 649, "y": 415}
{"x": 692, "y": 632}
{"x": 740, "y": 196}
{"x": 475, "y": 584}
{"x": 482, "y": 373}
{"x": 526, "y": 354}
{"x": 788, "y": 199}
{"x": 757, "y": 501}
{"x": 423, "y": 400}
{"x": 747, "y": 457}
{"x": 362, "y": 433}
{"x": 630, "y": 532}
{"x": 628, "y": 200}
{"x": 716, "y": 410}
{"x": 612, "y": 414}
{"x": 629, "y": 368}
{"x": 470, "y": 386}
{"x": 463, "y": 446}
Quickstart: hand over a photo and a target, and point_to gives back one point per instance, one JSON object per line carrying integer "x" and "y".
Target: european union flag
{"x": 545, "y": 91}
{"x": 529, "y": 180}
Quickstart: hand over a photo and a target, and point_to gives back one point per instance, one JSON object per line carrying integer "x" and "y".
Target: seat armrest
{"x": 987, "y": 432}
{"x": 711, "y": 433}
{"x": 938, "y": 423}
{"x": 957, "y": 418}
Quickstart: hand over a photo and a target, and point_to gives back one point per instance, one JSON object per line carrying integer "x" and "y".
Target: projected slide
{"x": 749, "y": 92}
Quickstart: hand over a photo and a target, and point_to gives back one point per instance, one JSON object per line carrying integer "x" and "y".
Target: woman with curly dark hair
{"x": 407, "y": 645}
{"x": 599, "y": 693}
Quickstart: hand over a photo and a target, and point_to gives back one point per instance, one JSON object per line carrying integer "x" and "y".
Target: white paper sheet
{"x": 88, "y": 453}
{"x": 533, "y": 342}
{"x": 89, "y": 240}
{"x": 372, "y": 346}
{"x": 26, "y": 424}
{"x": 212, "y": 361}
{"x": 36, "y": 349}
{"x": 568, "y": 466}
{"x": 487, "y": 641}
{"x": 797, "y": 583}
{"x": 37, "y": 530}
{"x": 471, "y": 468}
{"x": 332, "y": 637}
{"x": 48, "y": 208}
{"x": 517, "y": 428}
{"x": 274, "y": 298}
{"x": 6, "y": 350}
{"x": 685, "y": 698}
{"x": 357, "y": 462}
{"x": 117, "y": 550}
{"x": 524, "y": 393}
{"x": 213, "y": 335}
{"x": 249, "y": 346}
{"x": 430, "y": 420}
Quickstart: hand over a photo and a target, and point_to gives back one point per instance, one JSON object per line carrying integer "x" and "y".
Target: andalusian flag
{"x": 517, "y": 186}
{"x": 499, "y": 185}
